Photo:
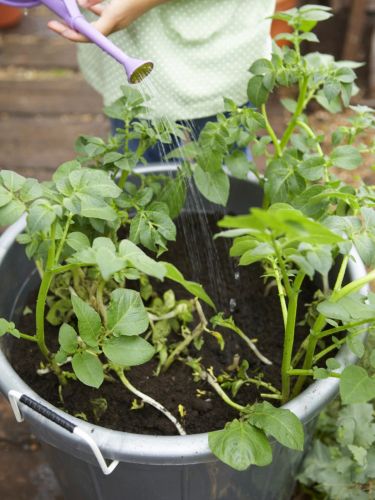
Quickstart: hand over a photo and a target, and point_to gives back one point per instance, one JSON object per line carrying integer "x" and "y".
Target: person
{"x": 202, "y": 50}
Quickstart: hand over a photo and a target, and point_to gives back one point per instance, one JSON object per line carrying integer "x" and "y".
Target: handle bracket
{"x": 15, "y": 398}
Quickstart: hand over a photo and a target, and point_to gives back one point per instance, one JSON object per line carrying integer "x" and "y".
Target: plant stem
{"x": 32, "y": 338}
{"x": 266, "y": 385}
{"x": 352, "y": 287}
{"x": 125, "y": 173}
{"x": 281, "y": 290}
{"x": 311, "y": 346}
{"x": 42, "y": 295}
{"x": 63, "y": 238}
{"x": 320, "y": 322}
{"x": 205, "y": 375}
{"x": 336, "y": 345}
{"x": 270, "y": 396}
{"x": 289, "y": 337}
{"x": 307, "y": 373}
{"x": 198, "y": 330}
{"x": 344, "y": 328}
{"x": 100, "y": 302}
{"x": 271, "y": 132}
{"x": 298, "y": 371}
{"x": 147, "y": 399}
{"x": 299, "y": 109}
{"x": 41, "y": 304}
{"x": 311, "y": 134}
{"x": 341, "y": 274}
{"x": 283, "y": 270}
{"x": 253, "y": 347}
{"x": 299, "y": 353}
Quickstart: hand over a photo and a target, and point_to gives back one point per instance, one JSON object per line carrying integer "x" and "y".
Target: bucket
{"x": 151, "y": 467}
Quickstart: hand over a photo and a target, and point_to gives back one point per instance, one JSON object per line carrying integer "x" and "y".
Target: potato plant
{"x": 89, "y": 228}
{"x": 310, "y": 220}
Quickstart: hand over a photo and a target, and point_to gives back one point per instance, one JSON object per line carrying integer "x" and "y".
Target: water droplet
{"x": 232, "y": 305}
{"x": 237, "y": 275}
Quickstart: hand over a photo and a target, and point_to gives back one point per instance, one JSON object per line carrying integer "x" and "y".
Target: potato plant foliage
{"x": 341, "y": 462}
{"x": 99, "y": 287}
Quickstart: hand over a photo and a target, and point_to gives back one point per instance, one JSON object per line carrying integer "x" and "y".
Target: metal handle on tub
{"x": 15, "y": 398}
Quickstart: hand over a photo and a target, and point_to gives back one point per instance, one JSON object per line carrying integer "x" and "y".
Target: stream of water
{"x": 203, "y": 253}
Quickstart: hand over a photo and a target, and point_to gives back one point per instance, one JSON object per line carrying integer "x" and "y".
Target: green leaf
{"x": 11, "y": 212}
{"x": 30, "y": 190}
{"x": 5, "y": 196}
{"x": 331, "y": 90}
{"x": 261, "y": 67}
{"x": 345, "y": 75}
{"x": 194, "y": 288}
{"x": 356, "y": 386}
{"x": 96, "y": 208}
{"x": 64, "y": 170}
{"x": 372, "y": 359}
{"x": 126, "y": 313}
{"x": 240, "y": 445}
{"x": 96, "y": 183}
{"x": 355, "y": 344}
{"x": 256, "y": 91}
{"x": 78, "y": 241}
{"x": 68, "y": 338}
{"x": 89, "y": 322}
{"x": 214, "y": 185}
{"x": 332, "y": 364}
{"x": 282, "y": 219}
{"x": 40, "y": 218}
{"x": 161, "y": 221}
{"x": 352, "y": 307}
{"x": 238, "y": 164}
{"x": 8, "y": 327}
{"x": 365, "y": 245}
{"x": 174, "y": 195}
{"x": 12, "y": 181}
{"x": 347, "y": 157}
{"x": 289, "y": 104}
{"x": 311, "y": 12}
{"x": 108, "y": 262}
{"x": 128, "y": 351}
{"x": 282, "y": 424}
{"x": 312, "y": 169}
{"x": 60, "y": 356}
{"x": 362, "y": 433}
{"x": 88, "y": 369}
{"x": 138, "y": 259}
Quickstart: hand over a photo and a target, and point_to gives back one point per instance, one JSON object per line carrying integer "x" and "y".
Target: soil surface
{"x": 239, "y": 291}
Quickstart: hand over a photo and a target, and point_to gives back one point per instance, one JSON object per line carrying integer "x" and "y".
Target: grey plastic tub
{"x": 154, "y": 467}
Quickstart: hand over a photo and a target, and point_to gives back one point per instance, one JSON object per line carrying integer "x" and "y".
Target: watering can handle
{"x": 15, "y": 398}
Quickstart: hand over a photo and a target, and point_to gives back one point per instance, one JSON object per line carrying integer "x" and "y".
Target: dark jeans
{"x": 156, "y": 153}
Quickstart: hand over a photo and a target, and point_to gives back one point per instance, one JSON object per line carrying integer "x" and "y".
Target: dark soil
{"x": 256, "y": 312}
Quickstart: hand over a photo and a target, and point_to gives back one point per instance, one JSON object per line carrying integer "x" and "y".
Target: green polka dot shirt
{"x": 202, "y": 50}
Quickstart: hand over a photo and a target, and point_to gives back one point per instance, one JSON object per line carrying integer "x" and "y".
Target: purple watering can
{"x": 68, "y": 10}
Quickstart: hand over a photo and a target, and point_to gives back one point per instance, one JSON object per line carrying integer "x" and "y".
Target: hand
{"x": 114, "y": 16}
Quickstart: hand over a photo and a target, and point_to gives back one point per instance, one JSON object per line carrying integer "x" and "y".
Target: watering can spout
{"x": 136, "y": 69}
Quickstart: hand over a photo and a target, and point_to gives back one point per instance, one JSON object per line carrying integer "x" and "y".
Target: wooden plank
{"x": 372, "y": 66}
{"x": 53, "y": 96}
{"x": 36, "y": 145}
{"x": 35, "y": 52}
{"x": 353, "y": 39}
